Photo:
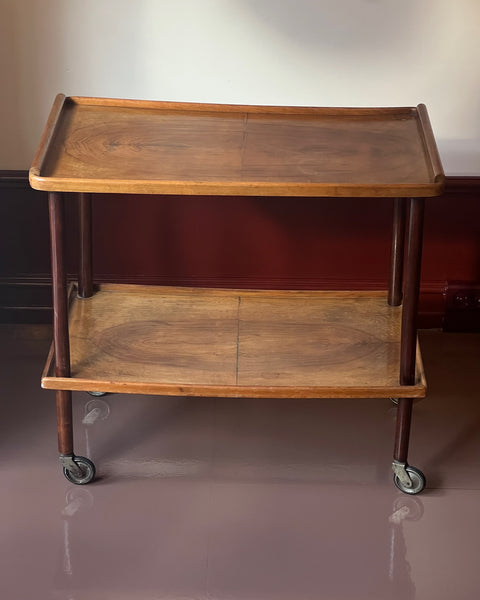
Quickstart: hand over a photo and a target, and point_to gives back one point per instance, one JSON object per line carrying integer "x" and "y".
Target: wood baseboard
{"x": 26, "y": 300}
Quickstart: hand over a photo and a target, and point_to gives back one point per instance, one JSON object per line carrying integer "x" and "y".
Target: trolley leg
{"x": 412, "y": 289}
{"x": 402, "y": 432}
{"x": 397, "y": 254}
{"x": 60, "y": 320}
{"x": 64, "y": 422}
{"x": 76, "y": 469}
{"x": 409, "y": 479}
{"x": 85, "y": 272}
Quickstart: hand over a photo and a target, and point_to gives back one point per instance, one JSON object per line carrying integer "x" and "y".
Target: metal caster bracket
{"x": 400, "y": 470}
{"x": 69, "y": 464}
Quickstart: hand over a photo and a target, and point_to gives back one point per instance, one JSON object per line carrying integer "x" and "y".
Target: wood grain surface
{"x": 230, "y": 343}
{"x": 95, "y": 145}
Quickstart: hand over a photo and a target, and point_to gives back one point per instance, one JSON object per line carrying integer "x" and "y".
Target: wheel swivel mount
{"x": 407, "y": 479}
{"x": 77, "y": 469}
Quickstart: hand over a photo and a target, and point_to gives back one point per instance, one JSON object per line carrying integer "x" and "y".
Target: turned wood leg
{"x": 412, "y": 290}
{"x": 409, "y": 479}
{"x": 402, "y": 431}
{"x": 395, "y": 288}
{"x": 85, "y": 271}
{"x": 60, "y": 320}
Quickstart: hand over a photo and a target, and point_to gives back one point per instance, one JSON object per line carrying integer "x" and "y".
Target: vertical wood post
{"x": 395, "y": 288}
{"x": 60, "y": 320}
{"x": 402, "y": 430}
{"x": 412, "y": 290}
{"x": 85, "y": 271}
{"x": 408, "y": 349}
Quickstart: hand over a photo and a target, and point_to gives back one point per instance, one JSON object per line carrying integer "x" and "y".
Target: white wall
{"x": 305, "y": 52}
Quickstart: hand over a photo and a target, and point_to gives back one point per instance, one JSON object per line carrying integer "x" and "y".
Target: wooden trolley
{"x": 231, "y": 343}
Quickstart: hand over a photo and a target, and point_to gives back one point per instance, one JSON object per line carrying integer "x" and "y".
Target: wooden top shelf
{"x": 128, "y": 146}
{"x": 231, "y": 343}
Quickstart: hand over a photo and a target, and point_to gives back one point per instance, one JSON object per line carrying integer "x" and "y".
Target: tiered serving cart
{"x": 223, "y": 342}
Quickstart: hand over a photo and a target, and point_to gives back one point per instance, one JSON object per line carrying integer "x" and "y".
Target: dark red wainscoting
{"x": 236, "y": 242}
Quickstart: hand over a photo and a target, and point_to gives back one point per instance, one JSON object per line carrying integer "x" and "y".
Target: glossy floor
{"x": 217, "y": 499}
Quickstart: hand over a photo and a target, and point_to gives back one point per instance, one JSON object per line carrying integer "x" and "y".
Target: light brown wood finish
{"x": 106, "y": 145}
{"x": 230, "y": 343}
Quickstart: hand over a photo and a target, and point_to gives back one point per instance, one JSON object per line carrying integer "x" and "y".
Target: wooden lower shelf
{"x": 231, "y": 343}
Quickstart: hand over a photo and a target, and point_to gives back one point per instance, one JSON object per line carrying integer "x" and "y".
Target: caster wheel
{"x": 417, "y": 478}
{"x": 97, "y": 394}
{"x": 88, "y": 471}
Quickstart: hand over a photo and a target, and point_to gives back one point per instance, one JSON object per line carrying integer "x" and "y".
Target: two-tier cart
{"x": 224, "y": 342}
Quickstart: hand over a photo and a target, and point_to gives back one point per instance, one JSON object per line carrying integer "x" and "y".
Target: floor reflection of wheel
{"x": 95, "y": 409}
{"x": 408, "y": 508}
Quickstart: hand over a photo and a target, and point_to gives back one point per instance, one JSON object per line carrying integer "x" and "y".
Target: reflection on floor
{"x": 247, "y": 499}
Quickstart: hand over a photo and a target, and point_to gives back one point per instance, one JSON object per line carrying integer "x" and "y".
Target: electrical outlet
{"x": 462, "y": 307}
